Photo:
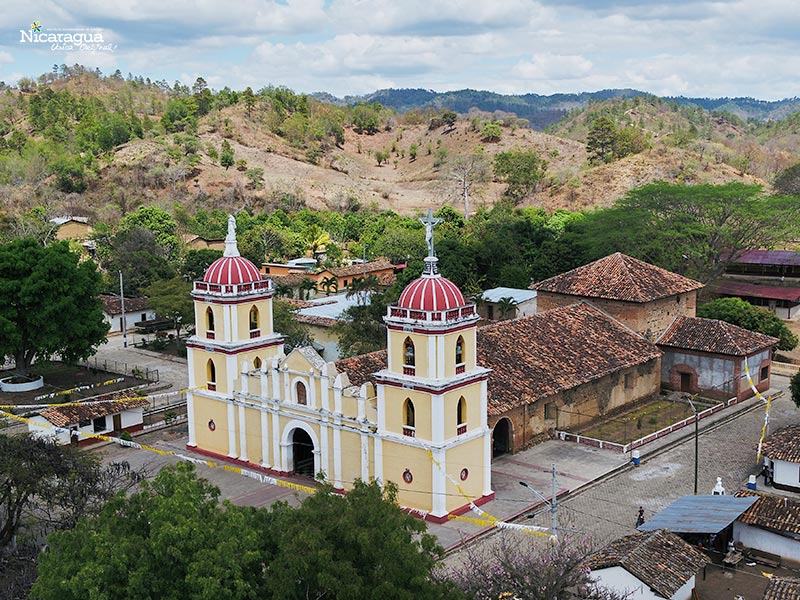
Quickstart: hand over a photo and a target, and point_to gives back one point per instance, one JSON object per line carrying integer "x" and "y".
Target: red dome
{"x": 232, "y": 270}
{"x": 431, "y": 293}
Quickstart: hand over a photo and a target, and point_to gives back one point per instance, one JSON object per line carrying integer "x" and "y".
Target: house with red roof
{"x": 77, "y": 423}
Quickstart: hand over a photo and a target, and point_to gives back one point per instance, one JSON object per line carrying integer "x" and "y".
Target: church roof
{"x": 541, "y": 355}
{"x": 619, "y": 277}
{"x": 431, "y": 292}
{"x": 783, "y": 444}
{"x": 232, "y": 270}
{"x": 360, "y": 369}
{"x": 712, "y": 335}
{"x": 660, "y": 559}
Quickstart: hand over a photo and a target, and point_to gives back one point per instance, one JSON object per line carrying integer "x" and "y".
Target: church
{"x": 419, "y": 419}
{"x": 431, "y": 411}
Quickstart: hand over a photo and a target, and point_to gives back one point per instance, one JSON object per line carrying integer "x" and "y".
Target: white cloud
{"x": 6, "y": 57}
{"x": 549, "y": 66}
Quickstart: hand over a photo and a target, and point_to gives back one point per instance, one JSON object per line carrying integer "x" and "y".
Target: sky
{"x": 681, "y": 47}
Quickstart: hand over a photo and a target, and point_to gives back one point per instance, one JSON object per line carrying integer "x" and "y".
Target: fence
{"x": 121, "y": 368}
{"x": 625, "y": 448}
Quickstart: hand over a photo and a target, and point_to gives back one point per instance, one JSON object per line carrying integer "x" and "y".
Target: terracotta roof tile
{"x": 62, "y": 416}
{"x": 372, "y": 266}
{"x": 712, "y": 335}
{"x": 783, "y": 444}
{"x": 360, "y": 369}
{"x": 538, "y": 356}
{"x": 112, "y": 305}
{"x": 777, "y": 513}
{"x": 619, "y": 277}
{"x": 660, "y": 559}
{"x": 783, "y": 588}
{"x": 314, "y": 320}
{"x": 292, "y": 279}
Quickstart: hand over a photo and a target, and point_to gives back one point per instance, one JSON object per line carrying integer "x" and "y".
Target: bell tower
{"x": 432, "y": 397}
{"x": 233, "y": 331}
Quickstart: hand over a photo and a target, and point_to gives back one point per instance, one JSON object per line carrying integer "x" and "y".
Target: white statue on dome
{"x": 231, "y": 249}
{"x": 430, "y": 221}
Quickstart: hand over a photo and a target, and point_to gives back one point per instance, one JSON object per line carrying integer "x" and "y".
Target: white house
{"x": 136, "y": 310}
{"x": 648, "y": 565}
{"x": 771, "y": 525}
{"x": 61, "y": 423}
{"x": 524, "y": 303}
{"x": 781, "y": 452}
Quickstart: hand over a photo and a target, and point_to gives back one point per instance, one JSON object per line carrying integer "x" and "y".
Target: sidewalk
{"x": 577, "y": 466}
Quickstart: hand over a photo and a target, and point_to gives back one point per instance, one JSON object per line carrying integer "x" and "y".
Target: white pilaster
{"x": 440, "y": 359}
{"x": 277, "y": 459}
{"x": 227, "y": 334}
{"x": 337, "y": 457}
{"x": 434, "y": 366}
{"x": 190, "y": 416}
{"x": 242, "y": 433}
{"x": 312, "y": 391}
{"x": 381, "y": 412}
{"x": 365, "y": 457}
{"x": 438, "y": 425}
{"x": 487, "y": 463}
{"x": 378, "y": 460}
{"x": 324, "y": 455}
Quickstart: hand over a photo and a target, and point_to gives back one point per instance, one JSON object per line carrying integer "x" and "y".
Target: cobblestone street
{"x": 608, "y": 509}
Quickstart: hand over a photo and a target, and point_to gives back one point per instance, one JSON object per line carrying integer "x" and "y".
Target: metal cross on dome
{"x": 430, "y": 222}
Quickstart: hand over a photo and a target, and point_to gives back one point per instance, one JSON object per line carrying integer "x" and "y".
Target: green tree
{"x": 196, "y": 262}
{"x": 160, "y": 222}
{"x": 449, "y": 118}
{"x": 742, "y": 313}
{"x": 491, "y": 132}
{"x": 361, "y": 329}
{"x": 142, "y": 260}
{"x": 381, "y": 157}
{"x": 49, "y": 304}
{"x": 412, "y": 152}
{"x": 788, "y": 181}
{"x": 172, "y": 539}
{"x": 255, "y": 178}
{"x": 601, "y": 140}
{"x": 284, "y": 319}
{"x": 306, "y": 287}
{"x": 226, "y": 155}
{"x": 249, "y": 99}
{"x": 794, "y": 388}
{"x": 522, "y": 170}
{"x": 47, "y": 487}
{"x": 171, "y": 299}
{"x": 507, "y": 306}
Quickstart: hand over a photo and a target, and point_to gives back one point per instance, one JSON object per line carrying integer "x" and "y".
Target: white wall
{"x": 761, "y": 539}
{"x": 620, "y": 580}
{"x": 786, "y": 473}
{"x": 131, "y": 317}
{"x": 134, "y": 416}
{"x": 42, "y": 428}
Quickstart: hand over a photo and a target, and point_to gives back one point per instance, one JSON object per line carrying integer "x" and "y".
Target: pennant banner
{"x": 768, "y": 402}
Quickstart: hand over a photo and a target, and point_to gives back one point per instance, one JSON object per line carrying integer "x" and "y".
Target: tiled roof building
{"x": 712, "y": 335}
{"x": 783, "y": 444}
{"x": 783, "y": 588}
{"x": 659, "y": 559}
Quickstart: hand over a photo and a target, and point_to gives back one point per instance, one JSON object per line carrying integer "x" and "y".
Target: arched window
{"x": 408, "y": 418}
{"x": 408, "y": 353}
{"x": 210, "y": 322}
{"x": 211, "y": 375}
{"x": 460, "y": 350}
{"x": 253, "y": 318}
{"x": 461, "y": 411}
{"x": 300, "y": 393}
{"x": 257, "y": 362}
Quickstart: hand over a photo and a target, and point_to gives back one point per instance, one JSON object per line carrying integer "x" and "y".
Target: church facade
{"x": 418, "y": 420}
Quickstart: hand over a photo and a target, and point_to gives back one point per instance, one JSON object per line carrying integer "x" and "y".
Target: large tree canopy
{"x": 49, "y": 304}
{"x": 694, "y": 230}
{"x": 173, "y": 540}
{"x": 739, "y": 312}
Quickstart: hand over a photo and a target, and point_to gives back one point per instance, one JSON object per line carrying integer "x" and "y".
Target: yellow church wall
{"x": 253, "y": 434}
{"x": 209, "y": 409}
{"x": 349, "y": 405}
{"x": 393, "y": 401}
{"x": 351, "y": 458}
{"x": 399, "y": 457}
{"x": 264, "y": 307}
{"x": 470, "y": 456}
{"x": 200, "y": 309}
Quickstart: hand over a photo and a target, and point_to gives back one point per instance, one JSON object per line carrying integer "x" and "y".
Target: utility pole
{"x": 124, "y": 324}
{"x": 553, "y": 501}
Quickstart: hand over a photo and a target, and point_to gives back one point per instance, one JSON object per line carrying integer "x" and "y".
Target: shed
{"x": 524, "y": 303}
{"x": 60, "y": 423}
{"x": 783, "y": 301}
{"x": 771, "y": 525}
{"x": 699, "y": 514}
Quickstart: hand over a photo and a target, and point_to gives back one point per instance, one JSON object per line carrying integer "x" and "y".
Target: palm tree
{"x": 505, "y": 306}
{"x": 330, "y": 283}
{"x": 315, "y": 237}
{"x": 305, "y": 288}
{"x": 283, "y": 291}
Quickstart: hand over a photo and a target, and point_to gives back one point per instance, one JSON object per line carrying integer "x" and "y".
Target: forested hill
{"x": 542, "y": 111}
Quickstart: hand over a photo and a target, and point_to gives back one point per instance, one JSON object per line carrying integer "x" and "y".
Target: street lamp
{"x": 696, "y": 438}
{"x": 553, "y": 501}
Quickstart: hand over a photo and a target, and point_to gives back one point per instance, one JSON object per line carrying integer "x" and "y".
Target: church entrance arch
{"x": 302, "y": 453}
{"x": 502, "y": 438}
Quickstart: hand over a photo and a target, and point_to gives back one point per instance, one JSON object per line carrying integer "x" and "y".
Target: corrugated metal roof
{"x": 330, "y": 307}
{"x": 699, "y": 514}
{"x": 769, "y": 257}
{"x": 517, "y": 295}
{"x": 759, "y": 291}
